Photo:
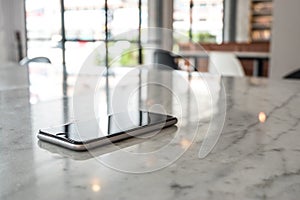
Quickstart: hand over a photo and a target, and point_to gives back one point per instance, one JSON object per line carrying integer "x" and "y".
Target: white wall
{"x": 285, "y": 44}
{"x": 11, "y": 20}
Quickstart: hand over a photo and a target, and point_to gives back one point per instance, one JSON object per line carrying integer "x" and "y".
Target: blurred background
{"x": 67, "y": 31}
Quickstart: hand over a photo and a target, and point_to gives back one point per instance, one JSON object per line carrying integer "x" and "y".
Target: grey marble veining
{"x": 256, "y": 157}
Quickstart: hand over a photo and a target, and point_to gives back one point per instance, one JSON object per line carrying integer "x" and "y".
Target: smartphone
{"x": 165, "y": 136}
{"x": 85, "y": 135}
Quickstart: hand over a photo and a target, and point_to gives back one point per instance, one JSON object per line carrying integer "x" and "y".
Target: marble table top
{"x": 257, "y": 155}
{"x": 10, "y": 69}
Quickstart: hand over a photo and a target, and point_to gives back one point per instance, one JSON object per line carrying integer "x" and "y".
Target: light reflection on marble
{"x": 252, "y": 160}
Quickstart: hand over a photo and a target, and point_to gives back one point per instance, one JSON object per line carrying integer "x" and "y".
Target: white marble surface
{"x": 9, "y": 70}
{"x": 252, "y": 160}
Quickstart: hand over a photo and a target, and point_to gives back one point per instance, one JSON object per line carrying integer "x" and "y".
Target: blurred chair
{"x": 225, "y": 64}
{"x": 165, "y": 58}
{"x": 293, "y": 75}
{"x": 25, "y": 61}
{"x": 44, "y": 78}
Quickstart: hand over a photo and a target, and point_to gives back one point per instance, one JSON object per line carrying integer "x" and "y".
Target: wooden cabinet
{"x": 261, "y": 20}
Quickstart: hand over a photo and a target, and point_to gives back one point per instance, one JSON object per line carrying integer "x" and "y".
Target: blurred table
{"x": 257, "y": 57}
{"x": 256, "y": 157}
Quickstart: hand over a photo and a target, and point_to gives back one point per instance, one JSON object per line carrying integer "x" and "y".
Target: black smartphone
{"x": 84, "y": 135}
{"x": 166, "y": 135}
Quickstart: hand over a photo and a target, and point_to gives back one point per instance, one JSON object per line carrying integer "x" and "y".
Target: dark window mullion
{"x": 63, "y": 41}
{"x": 191, "y": 20}
{"x": 106, "y": 33}
{"x": 139, "y": 39}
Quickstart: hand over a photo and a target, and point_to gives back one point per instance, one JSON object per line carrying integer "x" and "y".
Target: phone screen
{"x": 107, "y": 126}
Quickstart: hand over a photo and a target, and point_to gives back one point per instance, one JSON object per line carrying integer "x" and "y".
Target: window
{"x": 199, "y": 20}
{"x": 84, "y": 25}
{"x": 43, "y": 25}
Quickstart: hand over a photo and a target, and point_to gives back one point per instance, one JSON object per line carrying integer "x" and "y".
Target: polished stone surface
{"x": 10, "y": 69}
{"x": 256, "y": 157}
